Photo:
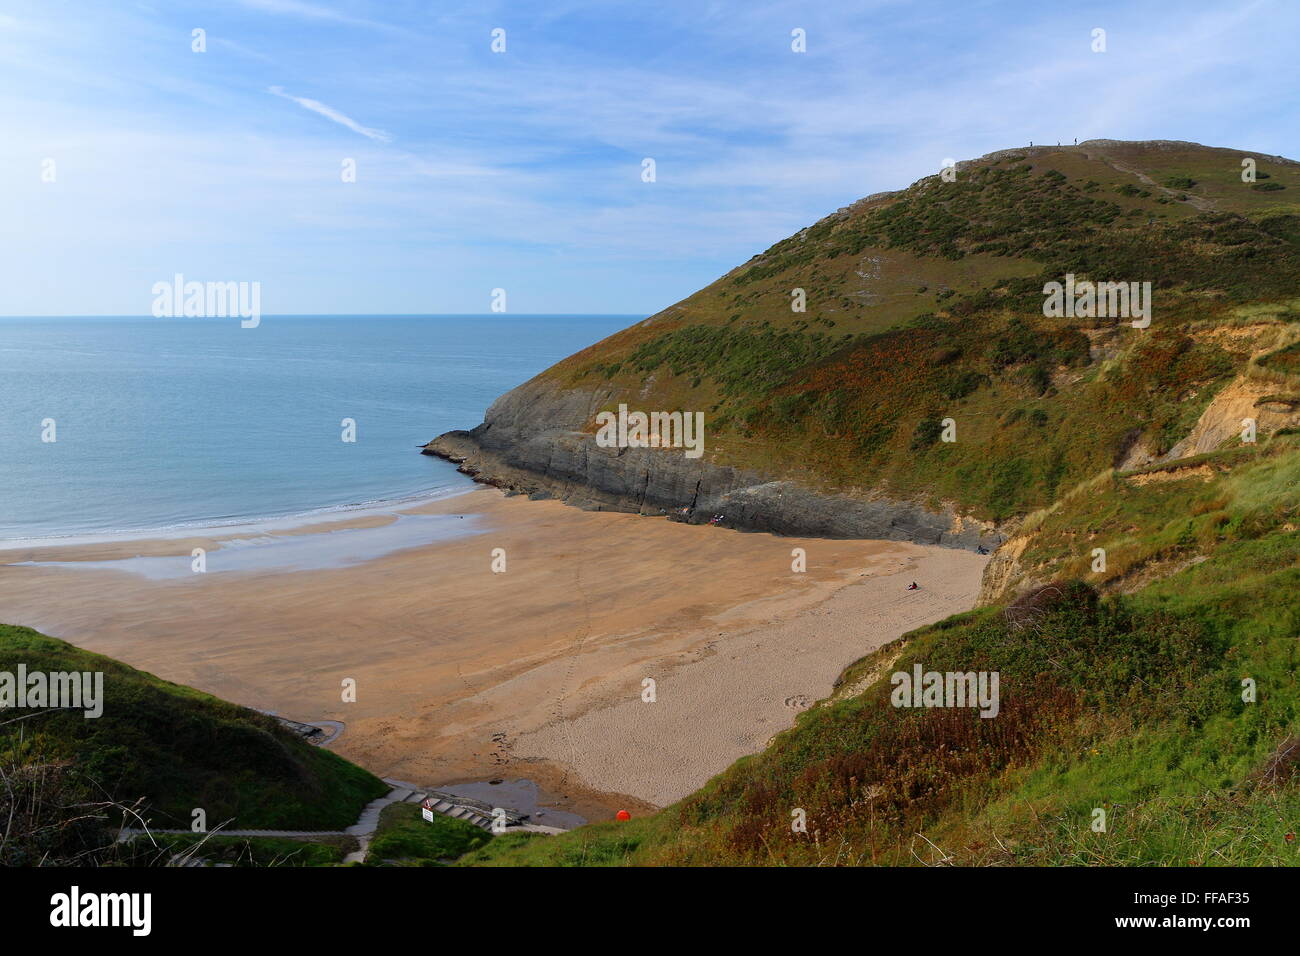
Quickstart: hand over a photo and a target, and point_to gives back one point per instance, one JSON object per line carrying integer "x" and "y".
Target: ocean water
{"x": 174, "y": 423}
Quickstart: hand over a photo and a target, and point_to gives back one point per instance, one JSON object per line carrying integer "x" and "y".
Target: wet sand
{"x": 463, "y": 674}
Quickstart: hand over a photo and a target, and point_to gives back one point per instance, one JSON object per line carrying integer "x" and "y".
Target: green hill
{"x": 1143, "y": 608}
{"x": 160, "y": 748}
{"x": 925, "y": 305}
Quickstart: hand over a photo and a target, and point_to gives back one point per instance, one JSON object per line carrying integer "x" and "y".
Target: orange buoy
{"x": 623, "y": 815}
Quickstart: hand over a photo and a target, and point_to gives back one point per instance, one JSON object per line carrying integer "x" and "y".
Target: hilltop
{"x": 1141, "y": 483}
{"x": 927, "y": 304}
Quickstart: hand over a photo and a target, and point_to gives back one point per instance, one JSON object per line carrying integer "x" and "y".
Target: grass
{"x": 177, "y": 749}
{"x": 1281, "y": 365}
{"x": 600, "y": 844}
{"x": 246, "y": 851}
{"x": 1249, "y": 495}
{"x": 404, "y": 837}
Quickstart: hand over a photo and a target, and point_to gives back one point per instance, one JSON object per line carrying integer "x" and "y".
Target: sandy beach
{"x": 466, "y": 674}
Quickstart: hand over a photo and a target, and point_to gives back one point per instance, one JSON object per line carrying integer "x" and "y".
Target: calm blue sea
{"x": 163, "y": 423}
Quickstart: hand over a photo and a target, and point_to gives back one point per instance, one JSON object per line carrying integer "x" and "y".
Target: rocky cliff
{"x": 533, "y": 442}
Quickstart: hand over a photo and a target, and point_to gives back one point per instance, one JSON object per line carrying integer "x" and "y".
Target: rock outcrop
{"x": 534, "y": 441}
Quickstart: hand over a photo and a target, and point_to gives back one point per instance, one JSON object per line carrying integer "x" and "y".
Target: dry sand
{"x": 463, "y": 674}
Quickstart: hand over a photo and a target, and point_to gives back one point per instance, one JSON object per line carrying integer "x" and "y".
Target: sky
{"x": 126, "y": 156}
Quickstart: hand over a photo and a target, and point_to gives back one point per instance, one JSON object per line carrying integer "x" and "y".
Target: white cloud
{"x": 316, "y": 106}
{"x": 532, "y": 160}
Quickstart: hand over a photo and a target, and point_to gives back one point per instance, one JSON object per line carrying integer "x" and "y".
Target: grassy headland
{"x": 161, "y": 748}
{"x": 1143, "y": 614}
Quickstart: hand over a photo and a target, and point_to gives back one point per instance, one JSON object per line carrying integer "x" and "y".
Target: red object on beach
{"x": 623, "y": 815}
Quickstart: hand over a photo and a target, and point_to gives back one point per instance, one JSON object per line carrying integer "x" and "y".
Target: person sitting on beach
{"x": 913, "y": 587}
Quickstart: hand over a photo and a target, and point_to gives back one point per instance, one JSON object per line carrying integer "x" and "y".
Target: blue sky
{"x": 522, "y": 170}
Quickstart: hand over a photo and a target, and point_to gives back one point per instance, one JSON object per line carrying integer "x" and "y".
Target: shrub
{"x": 927, "y": 433}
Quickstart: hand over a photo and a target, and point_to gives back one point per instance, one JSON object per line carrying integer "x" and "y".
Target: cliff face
{"x": 532, "y": 442}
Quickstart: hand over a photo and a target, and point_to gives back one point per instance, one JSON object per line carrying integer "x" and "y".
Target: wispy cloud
{"x": 523, "y": 169}
{"x": 310, "y": 11}
{"x": 316, "y": 106}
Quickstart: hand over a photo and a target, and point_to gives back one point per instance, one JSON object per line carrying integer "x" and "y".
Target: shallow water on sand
{"x": 522, "y": 796}
{"x": 324, "y": 550}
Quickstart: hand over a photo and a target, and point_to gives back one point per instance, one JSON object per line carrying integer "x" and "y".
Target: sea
{"x": 131, "y": 426}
